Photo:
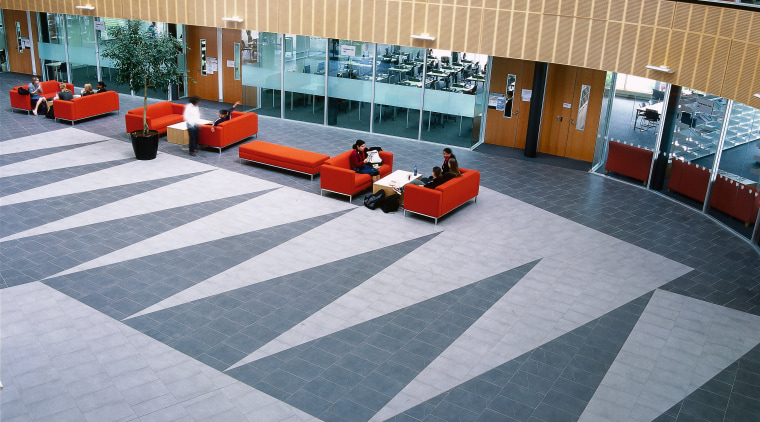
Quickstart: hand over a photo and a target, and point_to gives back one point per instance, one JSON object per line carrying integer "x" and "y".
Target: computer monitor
{"x": 657, "y": 95}
{"x": 446, "y": 60}
{"x": 687, "y": 119}
{"x": 454, "y": 57}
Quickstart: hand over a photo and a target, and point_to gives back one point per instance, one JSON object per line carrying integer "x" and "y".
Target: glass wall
{"x": 80, "y": 34}
{"x": 262, "y": 70}
{"x": 398, "y": 90}
{"x": 349, "y": 84}
{"x": 3, "y": 46}
{"x": 455, "y": 97}
{"x": 304, "y": 88}
{"x": 51, "y": 46}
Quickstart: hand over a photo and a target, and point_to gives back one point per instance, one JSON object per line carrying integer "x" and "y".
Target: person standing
{"x": 192, "y": 116}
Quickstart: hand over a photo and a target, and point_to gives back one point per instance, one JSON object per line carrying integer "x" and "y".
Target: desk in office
{"x": 641, "y": 111}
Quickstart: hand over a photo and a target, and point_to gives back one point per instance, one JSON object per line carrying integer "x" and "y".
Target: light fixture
{"x": 87, "y": 6}
{"x": 757, "y": 95}
{"x": 424, "y": 36}
{"x": 662, "y": 68}
{"x": 233, "y": 19}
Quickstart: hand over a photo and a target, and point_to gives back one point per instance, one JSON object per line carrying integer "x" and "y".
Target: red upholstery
{"x": 49, "y": 90}
{"x": 689, "y": 180}
{"x": 159, "y": 116}
{"x": 282, "y": 156}
{"x": 629, "y": 160}
{"x": 83, "y": 107}
{"x": 439, "y": 201}
{"x": 239, "y": 127}
{"x": 735, "y": 199}
{"x": 337, "y": 175}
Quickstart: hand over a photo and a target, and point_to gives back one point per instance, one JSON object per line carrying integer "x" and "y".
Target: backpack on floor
{"x": 391, "y": 203}
{"x": 374, "y": 200}
{"x": 42, "y": 109}
{"x": 50, "y": 114}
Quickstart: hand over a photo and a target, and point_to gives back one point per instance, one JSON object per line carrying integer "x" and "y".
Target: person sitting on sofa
{"x": 65, "y": 93}
{"x": 101, "y": 87}
{"x": 360, "y": 161}
{"x": 224, "y": 115}
{"x": 447, "y": 155}
{"x": 87, "y": 90}
{"x": 438, "y": 178}
{"x": 35, "y": 93}
{"x": 454, "y": 167}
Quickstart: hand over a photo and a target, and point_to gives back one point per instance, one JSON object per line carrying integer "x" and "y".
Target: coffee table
{"x": 177, "y": 133}
{"x": 398, "y": 179}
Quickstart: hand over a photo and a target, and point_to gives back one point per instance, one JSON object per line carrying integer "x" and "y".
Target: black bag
{"x": 391, "y": 203}
{"x": 23, "y": 91}
{"x": 50, "y": 114}
{"x": 374, "y": 200}
{"x": 42, "y": 109}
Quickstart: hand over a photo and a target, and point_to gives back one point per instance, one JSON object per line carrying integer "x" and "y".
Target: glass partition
{"x": 106, "y": 73}
{"x": 349, "y": 84}
{"x": 80, "y": 32}
{"x": 304, "y": 88}
{"x": 261, "y": 71}
{"x": 51, "y": 48}
{"x": 3, "y": 45}
{"x": 734, "y": 193}
{"x": 398, "y": 90}
{"x": 455, "y": 97}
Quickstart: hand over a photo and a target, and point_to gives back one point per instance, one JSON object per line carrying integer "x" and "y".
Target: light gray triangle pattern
{"x": 678, "y": 344}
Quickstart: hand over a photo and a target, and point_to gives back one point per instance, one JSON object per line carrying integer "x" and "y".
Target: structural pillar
{"x": 668, "y": 130}
{"x": 536, "y": 109}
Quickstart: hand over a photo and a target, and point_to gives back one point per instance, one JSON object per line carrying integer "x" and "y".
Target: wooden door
{"x": 509, "y": 131}
{"x": 199, "y": 85}
{"x": 232, "y": 88}
{"x": 581, "y": 140}
{"x": 558, "y": 100}
{"x": 20, "y": 62}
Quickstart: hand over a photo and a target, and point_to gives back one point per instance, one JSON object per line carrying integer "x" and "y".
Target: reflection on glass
{"x": 734, "y": 191}
{"x": 455, "y": 98}
{"x": 80, "y": 32}
{"x": 3, "y": 46}
{"x": 261, "y": 71}
{"x": 19, "y": 42}
{"x": 398, "y": 84}
{"x": 580, "y": 122}
{"x": 508, "y": 106}
{"x": 237, "y": 61}
{"x": 349, "y": 83}
{"x": 203, "y": 58}
{"x": 50, "y": 46}
{"x": 304, "y": 83}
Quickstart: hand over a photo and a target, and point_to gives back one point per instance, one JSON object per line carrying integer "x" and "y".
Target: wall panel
{"x": 548, "y": 36}
{"x": 580, "y": 42}
{"x": 564, "y": 42}
{"x": 627, "y": 48}
{"x": 611, "y": 45}
{"x": 516, "y": 40}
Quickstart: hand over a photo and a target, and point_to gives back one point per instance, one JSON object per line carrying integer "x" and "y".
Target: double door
{"x": 570, "y": 119}
{"x": 221, "y": 83}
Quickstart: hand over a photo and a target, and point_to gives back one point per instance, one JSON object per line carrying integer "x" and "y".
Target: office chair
{"x": 651, "y": 119}
{"x": 307, "y": 68}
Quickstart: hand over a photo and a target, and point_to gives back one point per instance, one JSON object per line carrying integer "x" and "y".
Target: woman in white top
{"x": 192, "y": 116}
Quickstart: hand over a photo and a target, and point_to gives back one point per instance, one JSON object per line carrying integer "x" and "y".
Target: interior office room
{"x": 608, "y": 270}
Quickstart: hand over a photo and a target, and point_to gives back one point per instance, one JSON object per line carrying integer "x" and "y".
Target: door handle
{"x": 559, "y": 118}
{"x": 572, "y": 122}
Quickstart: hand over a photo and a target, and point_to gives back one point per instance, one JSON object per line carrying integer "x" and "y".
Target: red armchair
{"x": 84, "y": 107}
{"x": 240, "y": 126}
{"x": 160, "y": 115}
{"x": 23, "y": 102}
{"x": 338, "y": 177}
{"x": 436, "y": 203}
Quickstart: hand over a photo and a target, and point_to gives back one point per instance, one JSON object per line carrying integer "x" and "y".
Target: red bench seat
{"x": 282, "y": 156}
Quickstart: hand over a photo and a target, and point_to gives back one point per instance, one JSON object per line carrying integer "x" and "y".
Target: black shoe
{"x": 193, "y": 154}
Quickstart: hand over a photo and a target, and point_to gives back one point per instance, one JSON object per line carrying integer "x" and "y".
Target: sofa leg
{"x": 746, "y": 224}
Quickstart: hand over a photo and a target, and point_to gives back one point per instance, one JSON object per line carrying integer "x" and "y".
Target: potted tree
{"x": 143, "y": 59}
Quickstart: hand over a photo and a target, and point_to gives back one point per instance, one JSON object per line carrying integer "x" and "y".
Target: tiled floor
{"x": 205, "y": 289}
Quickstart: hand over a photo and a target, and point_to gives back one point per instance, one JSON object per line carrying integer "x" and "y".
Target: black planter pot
{"x": 145, "y": 146}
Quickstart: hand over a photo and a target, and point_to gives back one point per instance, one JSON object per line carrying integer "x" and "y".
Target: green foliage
{"x": 143, "y": 59}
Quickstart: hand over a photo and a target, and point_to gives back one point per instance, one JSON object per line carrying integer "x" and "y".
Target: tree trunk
{"x": 145, "y": 107}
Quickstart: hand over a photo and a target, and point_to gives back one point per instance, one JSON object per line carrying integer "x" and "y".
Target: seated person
{"x": 35, "y": 93}
{"x": 101, "y": 87}
{"x": 65, "y": 93}
{"x": 439, "y": 178}
{"x": 454, "y": 167}
{"x": 87, "y": 90}
{"x": 224, "y": 115}
{"x": 447, "y": 155}
{"x": 360, "y": 161}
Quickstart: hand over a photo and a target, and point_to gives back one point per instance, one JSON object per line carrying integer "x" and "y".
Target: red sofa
{"x": 689, "y": 180}
{"x": 240, "y": 126}
{"x": 338, "y": 177}
{"x": 629, "y": 160}
{"x": 23, "y": 102}
{"x": 282, "y": 156}
{"x": 436, "y": 203}
{"x": 160, "y": 115}
{"x": 735, "y": 199}
{"x": 84, "y": 107}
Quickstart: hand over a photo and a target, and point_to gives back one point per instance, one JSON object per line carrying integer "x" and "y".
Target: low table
{"x": 177, "y": 133}
{"x": 397, "y": 179}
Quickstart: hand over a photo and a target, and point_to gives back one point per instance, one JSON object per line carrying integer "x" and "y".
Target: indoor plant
{"x": 143, "y": 59}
